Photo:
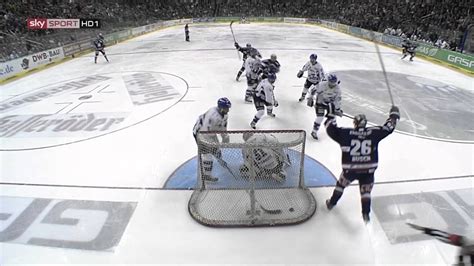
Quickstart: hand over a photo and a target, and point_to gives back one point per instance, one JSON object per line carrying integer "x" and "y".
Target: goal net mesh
{"x": 251, "y": 178}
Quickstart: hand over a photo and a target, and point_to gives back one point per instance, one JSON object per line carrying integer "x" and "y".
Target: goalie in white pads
{"x": 215, "y": 119}
{"x": 315, "y": 74}
{"x": 268, "y": 162}
{"x": 328, "y": 96}
{"x": 264, "y": 96}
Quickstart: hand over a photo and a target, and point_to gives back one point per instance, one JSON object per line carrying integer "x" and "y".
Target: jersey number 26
{"x": 361, "y": 147}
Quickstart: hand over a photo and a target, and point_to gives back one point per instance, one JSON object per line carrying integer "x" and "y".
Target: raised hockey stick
{"x": 383, "y": 68}
{"x": 233, "y": 36}
{"x": 226, "y": 166}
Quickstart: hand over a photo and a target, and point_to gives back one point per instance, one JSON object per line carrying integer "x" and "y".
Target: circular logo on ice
{"x": 429, "y": 108}
{"x": 86, "y": 107}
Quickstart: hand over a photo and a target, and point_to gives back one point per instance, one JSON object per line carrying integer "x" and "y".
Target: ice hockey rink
{"x": 90, "y": 153}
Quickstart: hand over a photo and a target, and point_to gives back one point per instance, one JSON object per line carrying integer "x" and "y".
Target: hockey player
{"x": 409, "y": 48}
{"x": 328, "y": 95}
{"x": 264, "y": 97}
{"x": 268, "y": 162}
{"x": 99, "y": 44}
{"x": 245, "y": 53}
{"x": 215, "y": 119}
{"x": 253, "y": 69}
{"x": 315, "y": 74}
{"x": 270, "y": 65}
{"x": 359, "y": 147}
{"x": 186, "y": 33}
{"x": 466, "y": 245}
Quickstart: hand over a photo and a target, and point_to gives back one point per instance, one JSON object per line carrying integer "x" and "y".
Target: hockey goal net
{"x": 251, "y": 178}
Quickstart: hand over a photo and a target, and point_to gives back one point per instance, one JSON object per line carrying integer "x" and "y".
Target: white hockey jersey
{"x": 264, "y": 158}
{"x": 326, "y": 94}
{"x": 315, "y": 72}
{"x": 252, "y": 67}
{"x": 211, "y": 120}
{"x": 264, "y": 91}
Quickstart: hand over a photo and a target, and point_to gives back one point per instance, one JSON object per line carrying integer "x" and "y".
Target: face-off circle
{"x": 85, "y": 107}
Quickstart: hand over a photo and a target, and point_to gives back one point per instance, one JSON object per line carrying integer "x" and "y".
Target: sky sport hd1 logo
{"x": 49, "y": 23}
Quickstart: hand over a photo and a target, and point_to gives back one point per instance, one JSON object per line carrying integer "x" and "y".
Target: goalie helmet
{"x": 360, "y": 121}
{"x": 224, "y": 103}
{"x": 313, "y": 58}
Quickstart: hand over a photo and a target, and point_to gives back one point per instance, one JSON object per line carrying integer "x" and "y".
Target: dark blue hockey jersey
{"x": 246, "y": 51}
{"x": 359, "y": 146}
{"x": 270, "y": 66}
{"x": 99, "y": 44}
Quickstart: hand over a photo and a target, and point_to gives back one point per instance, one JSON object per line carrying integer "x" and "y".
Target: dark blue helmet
{"x": 332, "y": 78}
{"x": 271, "y": 77}
{"x": 360, "y": 121}
{"x": 224, "y": 103}
{"x": 313, "y": 57}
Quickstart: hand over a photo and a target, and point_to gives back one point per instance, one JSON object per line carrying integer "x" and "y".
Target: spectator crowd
{"x": 441, "y": 23}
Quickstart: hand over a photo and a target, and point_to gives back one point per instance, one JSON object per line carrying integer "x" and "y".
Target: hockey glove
{"x": 236, "y": 45}
{"x": 338, "y": 112}
{"x": 394, "y": 112}
{"x": 310, "y": 102}
{"x": 300, "y": 74}
{"x": 275, "y": 103}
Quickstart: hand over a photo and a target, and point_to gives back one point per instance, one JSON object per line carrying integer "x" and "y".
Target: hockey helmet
{"x": 100, "y": 36}
{"x": 273, "y": 57}
{"x": 249, "y": 45}
{"x": 332, "y": 80}
{"x": 224, "y": 103}
{"x": 360, "y": 121}
{"x": 271, "y": 77}
{"x": 313, "y": 58}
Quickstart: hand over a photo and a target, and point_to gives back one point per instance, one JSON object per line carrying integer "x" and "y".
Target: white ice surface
{"x": 161, "y": 230}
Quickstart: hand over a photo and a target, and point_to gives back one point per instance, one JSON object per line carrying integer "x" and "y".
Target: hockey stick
{"x": 233, "y": 36}
{"x": 269, "y": 211}
{"x": 417, "y": 227}
{"x": 338, "y": 82}
{"x": 226, "y": 166}
{"x": 383, "y": 68}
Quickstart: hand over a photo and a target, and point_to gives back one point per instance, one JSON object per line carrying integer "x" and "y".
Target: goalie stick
{"x": 233, "y": 36}
{"x": 226, "y": 166}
